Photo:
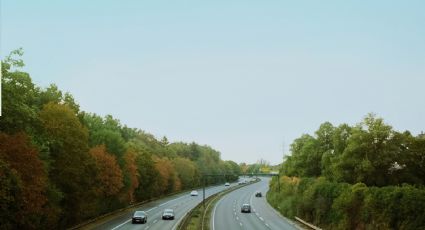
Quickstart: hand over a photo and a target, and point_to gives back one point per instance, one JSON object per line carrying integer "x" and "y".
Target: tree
{"x": 148, "y": 175}
{"x": 72, "y": 169}
{"x": 187, "y": 172}
{"x": 306, "y": 157}
{"x": 109, "y": 176}
{"x": 10, "y": 196}
{"x": 21, "y": 157}
{"x": 132, "y": 174}
{"x": 18, "y": 96}
{"x": 168, "y": 180}
{"x": 369, "y": 154}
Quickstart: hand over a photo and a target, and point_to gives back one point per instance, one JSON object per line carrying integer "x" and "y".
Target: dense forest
{"x": 60, "y": 165}
{"x": 366, "y": 176}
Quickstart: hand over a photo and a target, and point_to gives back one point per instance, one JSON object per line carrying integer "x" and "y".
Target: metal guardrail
{"x": 90, "y": 221}
{"x": 186, "y": 219}
{"x": 307, "y": 224}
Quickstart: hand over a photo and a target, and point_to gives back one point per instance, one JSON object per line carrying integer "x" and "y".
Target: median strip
{"x": 200, "y": 217}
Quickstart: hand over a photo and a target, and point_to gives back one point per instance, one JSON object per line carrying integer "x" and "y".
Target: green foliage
{"x": 333, "y": 205}
{"x": 61, "y": 182}
{"x": 368, "y": 176}
{"x": 370, "y": 152}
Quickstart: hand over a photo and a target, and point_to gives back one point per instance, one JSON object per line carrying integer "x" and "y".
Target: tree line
{"x": 60, "y": 165}
{"x": 366, "y": 176}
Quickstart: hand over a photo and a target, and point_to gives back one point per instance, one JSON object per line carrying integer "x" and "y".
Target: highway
{"x": 227, "y": 215}
{"x": 181, "y": 204}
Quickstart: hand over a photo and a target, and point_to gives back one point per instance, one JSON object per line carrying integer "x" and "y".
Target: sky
{"x": 244, "y": 77}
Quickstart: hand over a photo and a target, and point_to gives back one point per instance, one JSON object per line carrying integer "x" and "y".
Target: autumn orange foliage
{"x": 168, "y": 180}
{"x": 109, "y": 175}
{"x": 22, "y": 157}
{"x": 131, "y": 171}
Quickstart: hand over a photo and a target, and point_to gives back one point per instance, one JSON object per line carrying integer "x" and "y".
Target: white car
{"x": 194, "y": 193}
{"x": 227, "y": 184}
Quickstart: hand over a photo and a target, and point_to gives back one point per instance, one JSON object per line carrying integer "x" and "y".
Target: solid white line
{"x": 177, "y": 223}
{"x": 119, "y": 226}
{"x": 213, "y": 217}
{"x": 184, "y": 195}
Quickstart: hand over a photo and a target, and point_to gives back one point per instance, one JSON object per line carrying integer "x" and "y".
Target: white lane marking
{"x": 237, "y": 217}
{"x": 147, "y": 227}
{"x": 240, "y": 224}
{"x": 213, "y": 217}
{"x": 171, "y": 200}
{"x": 184, "y": 195}
{"x": 151, "y": 209}
{"x": 177, "y": 223}
{"x": 262, "y": 219}
{"x": 119, "y": 226}
{"x": 155, "y": 221}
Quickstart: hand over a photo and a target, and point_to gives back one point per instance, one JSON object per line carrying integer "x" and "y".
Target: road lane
{"x": 227, "y": 215}
{"x": 181, "y": 204}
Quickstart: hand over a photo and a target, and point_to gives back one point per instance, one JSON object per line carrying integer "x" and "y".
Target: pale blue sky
{"x": 241, "y": 76}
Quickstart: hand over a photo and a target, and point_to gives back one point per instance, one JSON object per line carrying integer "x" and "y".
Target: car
{"x": 139, "y": 217}
{"x": 227, "y": 184}
{"x": 242, "y": 182}
{"x": 194, "y": 193}
{"x": 246, "y": 208}
{"x": 258, "y": 194}
{"x": 168, "y": 214}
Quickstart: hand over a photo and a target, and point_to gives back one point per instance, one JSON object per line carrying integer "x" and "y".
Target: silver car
{"x": 168, "y": 214}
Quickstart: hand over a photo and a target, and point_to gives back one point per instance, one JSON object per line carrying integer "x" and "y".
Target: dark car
{"x": 168, "y": 214}
{"x": 258, "y": 194}
{"x": 246, "y": 208}
{"x": 139, "y": 217}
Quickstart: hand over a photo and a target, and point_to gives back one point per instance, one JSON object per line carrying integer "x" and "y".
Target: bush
{"x": 333, "y": 205}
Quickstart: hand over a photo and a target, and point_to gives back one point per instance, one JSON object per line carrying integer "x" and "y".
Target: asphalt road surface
{"x": 227, "y": 215}
{"x": 181, "y": 204}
